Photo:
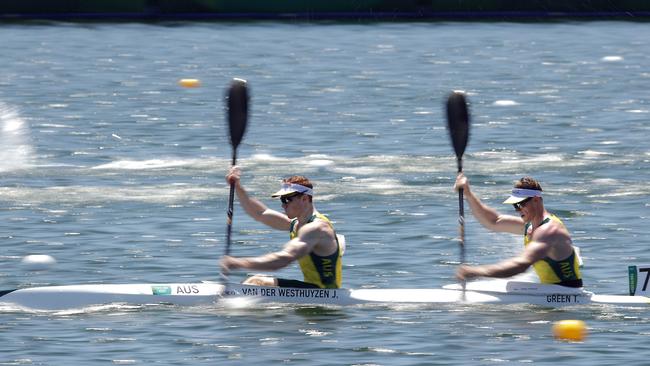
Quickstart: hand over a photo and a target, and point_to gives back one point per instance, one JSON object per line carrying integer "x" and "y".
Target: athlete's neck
{"x": 538, "y": 219}
{"x": 306, "y": 215}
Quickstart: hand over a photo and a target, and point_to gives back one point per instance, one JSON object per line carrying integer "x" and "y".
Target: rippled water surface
{"x": 116, "y": 171}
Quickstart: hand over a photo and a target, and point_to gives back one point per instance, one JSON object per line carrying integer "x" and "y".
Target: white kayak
{"x": 206, "y": 293}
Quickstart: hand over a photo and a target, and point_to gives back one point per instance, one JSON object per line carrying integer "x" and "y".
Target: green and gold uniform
{"x": 319, "y": 271}
{"x": 565, "y": 272}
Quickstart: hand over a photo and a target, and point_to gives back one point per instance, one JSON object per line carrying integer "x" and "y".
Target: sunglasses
{"x": 288, "y": 199}
{"x": 519, "y": 205}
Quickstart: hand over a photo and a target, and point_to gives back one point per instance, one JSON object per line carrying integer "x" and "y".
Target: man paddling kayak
{"x": 313, "y": 243}
{"x": 547, "y": 242}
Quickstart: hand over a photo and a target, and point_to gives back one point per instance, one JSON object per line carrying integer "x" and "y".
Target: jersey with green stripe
{"x": 323, "y": 271}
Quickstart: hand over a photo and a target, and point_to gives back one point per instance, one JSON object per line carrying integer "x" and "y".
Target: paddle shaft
{"x": 231, "y": 204}
{"x": 461, "y": 215}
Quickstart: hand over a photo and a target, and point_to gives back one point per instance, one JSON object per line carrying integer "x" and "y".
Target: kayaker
{"x": 313, "y": 241}
{"x": 547, "y": 242}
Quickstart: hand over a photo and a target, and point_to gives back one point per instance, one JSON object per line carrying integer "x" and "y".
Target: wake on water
{"x": 16, "y": 152}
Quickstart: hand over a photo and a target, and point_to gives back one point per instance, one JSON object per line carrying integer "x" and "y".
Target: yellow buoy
{"x": 189, "y": 83}
{"x": 570, "y": 330}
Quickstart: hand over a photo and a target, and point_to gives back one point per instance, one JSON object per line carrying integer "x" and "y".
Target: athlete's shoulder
{"x": 552, "y": 231}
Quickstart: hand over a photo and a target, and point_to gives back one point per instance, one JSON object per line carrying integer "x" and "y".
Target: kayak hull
{"x": 207, "y": 293}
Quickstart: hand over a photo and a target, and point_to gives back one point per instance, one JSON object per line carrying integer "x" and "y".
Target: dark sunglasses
{"x": 519, "y": 205}
{"x": 288, "y": 199}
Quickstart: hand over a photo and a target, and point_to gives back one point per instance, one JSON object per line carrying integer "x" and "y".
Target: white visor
{"x": 289, "y": 188}
{"x": 520, "y": 194}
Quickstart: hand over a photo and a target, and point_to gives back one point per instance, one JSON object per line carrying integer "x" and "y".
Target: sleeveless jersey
{"x": 563, "y": 272}
{"x": 323, "y": 271}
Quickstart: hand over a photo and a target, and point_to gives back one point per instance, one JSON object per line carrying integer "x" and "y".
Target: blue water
{"x": 109, "y": 166}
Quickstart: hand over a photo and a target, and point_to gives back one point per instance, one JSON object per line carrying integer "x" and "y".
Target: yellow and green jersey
{"x": 322, "y": 271}
{"x": 565, "y": 272}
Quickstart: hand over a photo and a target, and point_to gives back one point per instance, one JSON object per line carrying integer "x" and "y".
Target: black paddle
{"x": 237, "y": 102}
{"x": 458, "y": 123}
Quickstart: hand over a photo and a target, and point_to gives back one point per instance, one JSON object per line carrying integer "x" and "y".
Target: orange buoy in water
{"x": 570, "y": 330}
{"x": 189, "y": 83}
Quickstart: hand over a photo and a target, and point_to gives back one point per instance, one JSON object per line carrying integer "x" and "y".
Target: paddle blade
{"x": 458, "y": 122}
{"x": 237, "y": 101}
